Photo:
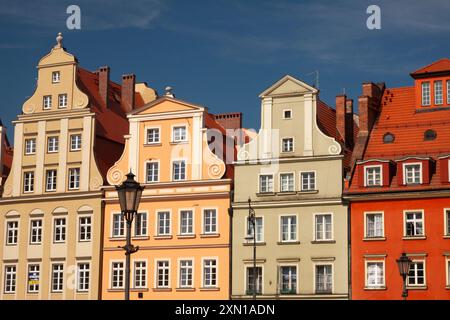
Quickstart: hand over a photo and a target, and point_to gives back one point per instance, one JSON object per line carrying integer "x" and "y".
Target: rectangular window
{"x": 57, "y": 277}
{"x": 152, "y": 172}
{"x": 186, "y": 274}
{"x": 50, "y": 184}
{"x": 374, "y": 225}
{"x": 448, "y": 91}
{"x": 288, "y": 228}
{"x": 252, "y": 284}
{"x": 412, "y": 173}
{"x": 62, "y": 100}
{"x": 258, "y": 227}
{"x": 30, "y": 146}
{"x": 287, "y": 182}
{"x": 12, "y": 232}
{"x": 414, "y": 224}
{"x": 84, "y": 275}
{"x": 47, "y": 102}
{"x": 117, "y": 271}
{"x": 28, "y": 182}
{"x": 438, "y": 93}
{"x": 85, "y": 229}
{"x": 162, "y": 274}
{"x": 179, "y": 170}
{"x": 209, "y": 273}
{"x": 209, "y": 221}
{"x": 35, "y": 231}
{"x": 140, "y": 274}
{"x": 426, "y": 101}
{"x": 266, "y": 183}
{"x": 118, "y": 227}
{"x": 288, "y": 276}
{"x": 323, "y": 227}
{"x": 416, "y": 275}
{"x": 10, "y": 279}
{"x": 448, "y": 273}
{"x": 373, "y": 176}
{"x": 56, "y": 76}
{"x": 287, "y": 145}
{"x": 447, "y": 222}
{"x": 179, "y": 134}
{"x": 52, "y": 144}
{"x": 375, "y": 274}
{"x": 75, "y": 142}
{"x": 60, "y": 230}
{"x": 308, "y": 181}
{"x": 186, "y": 222}
{"x": 153, "y": 135}
{"x": 287, "y": 114}
{"x": 140, "y": 227}
{"x": 33, "y": 278}
{"x": 74, "y": 179}
{"x": 163, "y": 223}
{"x": 324, "y": 279}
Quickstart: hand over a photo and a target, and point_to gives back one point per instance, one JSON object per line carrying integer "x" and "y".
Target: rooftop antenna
{"x": 343, "y": 91}
{"x": 316, "y": 78}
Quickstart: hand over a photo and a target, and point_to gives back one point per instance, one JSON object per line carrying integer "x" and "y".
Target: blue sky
{"x": 223, "y": 53}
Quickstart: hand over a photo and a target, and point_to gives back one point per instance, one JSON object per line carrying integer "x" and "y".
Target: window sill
{"x": 323, "y": 241}
{"x": 414, "y": 238}
{"x": 285, "y": 193}
{"x": 117, "y": 238}
{"x": 265, "y": 194}
{"x": 155, "y": 144}
{"x": 447, "y": 287}
{"x": 139, "y": 289}
{"x": 168, "y": 237}
{"x": 114, "y": 290}
{"x": 185, "y": 289}
{"x": 186, "y": 236}
{"x": 375, "y": 288}
{"x": 137, "y": 238}
{"x": 446, "y": 236}
{"x": 178, "y": 142}
{"x": 282, "y": 243}
{"x": 250, "y": 244}
{"x": 416, "y": 287}
{"x": 375, "y": 239}
{"x": 162, "y": 289}
{"x": 210, "y": 235}
{"x": 209, "y": 289}
{"x": 307, "y": 191}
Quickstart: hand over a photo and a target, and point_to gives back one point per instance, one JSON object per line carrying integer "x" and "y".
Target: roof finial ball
{"x": 59, "y": 39}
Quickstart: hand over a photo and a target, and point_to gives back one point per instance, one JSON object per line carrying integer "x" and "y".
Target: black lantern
{"x": 129, "y": 192}
{"x": 404, "y": 263}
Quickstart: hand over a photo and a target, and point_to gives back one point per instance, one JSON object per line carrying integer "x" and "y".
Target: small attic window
{"x": 56, "y": 77}
{"x": 287, "y": 114}
{"x": 429, "y": 135}
{"x": 388, "y": 138}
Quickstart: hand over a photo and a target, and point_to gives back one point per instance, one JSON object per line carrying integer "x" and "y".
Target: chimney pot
{"x": 127, "y": 93}
{"x": 103, "y": 84}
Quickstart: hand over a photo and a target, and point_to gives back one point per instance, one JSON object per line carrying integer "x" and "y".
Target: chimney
{"x": 103, "y": 84}
{"x": 349, "y": 123}
{"x": 369, "y": 105}
{"x": 127, "y": 94}
{"x": 341, "y": 118}
{"x": 229, "y": 120}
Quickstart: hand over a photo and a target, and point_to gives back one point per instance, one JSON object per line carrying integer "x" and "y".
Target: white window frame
{"x": 288, "y": 265}
{"x": 172, "y": 169}
{"x": 120, "y": 273}
{"x": 315, "y": 227}
{"x": 446, "y": 222}
{"x": 177, "y": 126}
{"x": 424, "y": 274}
{"x": 33, "y": 288}
{"x": 28, "y": 188}
{"x": 301, "y": 180}
{"x": 85, "y": 225}
{"x": 448, "y": 91}
{"x": 122, "y": 223}
{"x": 425, "y": 99}
{"x": 146, "y": 171}
{"x": 76, "y": 182}
{"x": 280, "y": 233}
{"x": 284, "y": 114}
{"x": 436, "y": 91}
{"x": 56, "y": 77}
{"x": 62, "y": 227}
{"x": 366, "y": 180}
{"x": 54, "y": 183}
{"x": 134, "y": 274}
{"x": 30, "y": 149}
{"x": 217, "y": 220}
{"x": 420, "y": 171}
{"x": 63, "y": 100}
{"x": 13, "y": 277}
{"x": 47, "y": 102}
{"x": 52, "y": 144}
{"x": 39, "y": 230}
{"x": 192, "y": 210}
{"x": 405, "y": 212}
{"x": 192, "y": 269}
{"x": 75, "y": 143}
{"x": 147, "y": 129}
{"x": 147, "y": 216}
{"x": 315, "y": 264}
{"x": 366, "y": 274}
{"x": 79, "y": 289}
{"x": 248, "y": 233}
{"x": 203, "y": 284}
{"x": 169, "y": 275}
{"x": 292, "y": 174}
{"x": 60, "y": 277}
{"x": 259, "y": 182}
{"x": 15, "y": 230}
{"x": 157, "y": 233}
{"x": 246, "y": 282}
{"x": 367, "y": 213}
{"x": 447, "y": 271}
{"x": 282, "y": 144}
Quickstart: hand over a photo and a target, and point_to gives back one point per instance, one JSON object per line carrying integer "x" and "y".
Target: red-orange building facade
{"x": 400, "y": 188}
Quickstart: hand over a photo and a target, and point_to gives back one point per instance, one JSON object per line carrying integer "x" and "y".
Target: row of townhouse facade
{"x": 337, "y": 197}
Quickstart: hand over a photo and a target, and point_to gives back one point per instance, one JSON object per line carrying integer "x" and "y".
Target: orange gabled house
{"x": 183, "y": 226}
{"x": 400, "y": 189}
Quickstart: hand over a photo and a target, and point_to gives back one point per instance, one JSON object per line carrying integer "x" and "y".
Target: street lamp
{"x": 404, "y": 264}
{"x": 130, "y": 192}
{"x": 252, "y": 221}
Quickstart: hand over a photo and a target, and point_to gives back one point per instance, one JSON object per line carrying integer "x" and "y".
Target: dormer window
{"x": 426, "y": 101}
{"x": 373, "y": 176}
{"x": 287, "y": 114}
{"x": 412, "y": 173}
{"x": 56, "y": 77}
{"x": 438, "y": 93}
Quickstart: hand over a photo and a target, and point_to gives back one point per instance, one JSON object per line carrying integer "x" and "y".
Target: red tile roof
{"x": 442, "y": 65}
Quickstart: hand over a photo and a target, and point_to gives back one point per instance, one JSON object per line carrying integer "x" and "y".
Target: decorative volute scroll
{"x": 213, "y": 166}
{"x": 116, "y": 174}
